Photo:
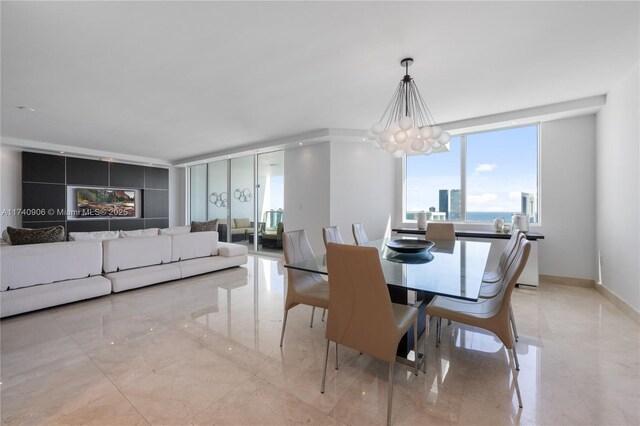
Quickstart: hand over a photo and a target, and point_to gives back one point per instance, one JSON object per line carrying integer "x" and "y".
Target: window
{"x": 501, "y": 170}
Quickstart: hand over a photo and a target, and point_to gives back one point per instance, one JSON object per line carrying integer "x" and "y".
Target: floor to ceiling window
{"x": 246, "y": 195}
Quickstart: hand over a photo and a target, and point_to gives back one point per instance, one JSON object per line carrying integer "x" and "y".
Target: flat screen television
{"x": 101, "y": 202}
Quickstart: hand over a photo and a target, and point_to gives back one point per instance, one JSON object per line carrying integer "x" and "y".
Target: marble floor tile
{"x": 205, "y": 350}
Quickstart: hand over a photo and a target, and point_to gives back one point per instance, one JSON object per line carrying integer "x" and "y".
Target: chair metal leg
{"x": 449, "y": 322}
{"x": 324, "y": 311}
{"x": 336, "y": 355}
{"x": 513, "y": 323}
{"x": 415, "y": 346}
{"x": 284, "y": 324}
{"x": 515, "y": 354}
{"x": 426, "y": 340}
{"x": 515, "y": 377}
{"x": 390, "y": 398}
{"x": 313, "y": 311}
{"x": 438, "y": 330}
{"x": 326, "y": 360}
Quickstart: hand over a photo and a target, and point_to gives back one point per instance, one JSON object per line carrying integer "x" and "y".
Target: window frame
{"x": 463, "y": 175}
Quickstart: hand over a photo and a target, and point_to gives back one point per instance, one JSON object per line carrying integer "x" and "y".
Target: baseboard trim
{"x": 618, "y": 302}
{"x": 570, "y": 281}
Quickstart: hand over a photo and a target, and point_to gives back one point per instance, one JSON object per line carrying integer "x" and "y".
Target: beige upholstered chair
{"x": 359, "y": 235}
{"x": 489, "y": 314}
{"x": 361, "y": 315}
{"x": 303, "y": 288}
{"x": 331, "y": 234}
{"x": 443, "y": 231}
{"x": 492, "y": 281}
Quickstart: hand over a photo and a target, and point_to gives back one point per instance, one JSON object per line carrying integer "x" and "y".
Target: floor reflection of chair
{"x": 229, "y": 286}
{"x": 489, "y": 314}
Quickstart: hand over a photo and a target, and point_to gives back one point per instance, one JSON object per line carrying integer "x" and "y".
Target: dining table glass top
{"x": 449, "y": 268}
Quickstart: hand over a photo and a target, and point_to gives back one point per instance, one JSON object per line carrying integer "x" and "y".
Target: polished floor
{"x": 205, "y": 351}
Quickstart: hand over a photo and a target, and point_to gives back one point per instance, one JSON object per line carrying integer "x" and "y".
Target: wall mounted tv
{"x": 102, "y": 202}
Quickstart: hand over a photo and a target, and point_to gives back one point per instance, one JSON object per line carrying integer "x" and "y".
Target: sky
{"x": 500, "y": 165}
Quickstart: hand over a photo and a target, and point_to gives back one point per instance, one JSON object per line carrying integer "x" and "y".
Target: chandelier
{"x": 407, "y": 126}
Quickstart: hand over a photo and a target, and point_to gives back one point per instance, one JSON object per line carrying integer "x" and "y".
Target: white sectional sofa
{"x": 42, "y": 275}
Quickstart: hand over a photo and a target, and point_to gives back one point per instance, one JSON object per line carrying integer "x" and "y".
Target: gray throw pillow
{"x": 20, "y": 236}
{"x": 211, "y": 225}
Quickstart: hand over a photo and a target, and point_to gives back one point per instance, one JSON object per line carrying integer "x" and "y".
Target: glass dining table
{"x": 450, "y": 268}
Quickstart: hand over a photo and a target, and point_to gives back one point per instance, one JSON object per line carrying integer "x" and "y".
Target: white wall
{"x": 362, "y": 189}
{"x": 306, "y": 191}
{"x": 568, "y": 178}
{"x": 618, "y": 189}
{"x": 10, "y": 184}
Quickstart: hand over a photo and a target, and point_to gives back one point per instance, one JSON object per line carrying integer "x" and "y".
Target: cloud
{"x": 485, "y": 167}
{"x": 515, "y": 195}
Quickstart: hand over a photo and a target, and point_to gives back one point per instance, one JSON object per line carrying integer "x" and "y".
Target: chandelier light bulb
{"x": 417, "y": 145}
{"x": 413, "y": 132}
{"x": 391, "y": 147}
{"x": 437, "y": 131}
{"x": 400, "y": 136}
{"x": 406, "y": 123}
{"x": 426, "y": 132}
{"x": 444, "y": 138}
{"x": 377, "y": 128}
{"x": 398, "y": 154}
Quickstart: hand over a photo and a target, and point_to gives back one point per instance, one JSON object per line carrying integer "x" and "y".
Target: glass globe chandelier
{"x": 407, "y": 126}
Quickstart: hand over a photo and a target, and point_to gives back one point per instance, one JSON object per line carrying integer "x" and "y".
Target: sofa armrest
{"x": 231, "y": 250}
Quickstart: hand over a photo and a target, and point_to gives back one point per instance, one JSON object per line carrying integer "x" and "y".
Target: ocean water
{"x": 477, "y": 216}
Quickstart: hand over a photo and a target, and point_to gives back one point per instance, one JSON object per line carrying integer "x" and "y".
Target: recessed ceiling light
{"x": 25, "y": 108}
{"x": 61, "y": 152}
{"x": 300, "y": 143}
{"x": 514, "y": 122}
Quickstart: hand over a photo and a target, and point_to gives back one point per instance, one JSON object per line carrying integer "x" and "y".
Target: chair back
{"x": 279, "y": 230}
{"x": 442, "y": 231}
{"x": 510, "y": 252}
{"x": 296, "y": 246}
{"x": 359, "y": 235}
{"x": 513, "y": 272}
{"x": 331, "y": 234}
{"x": 360, "y": 310}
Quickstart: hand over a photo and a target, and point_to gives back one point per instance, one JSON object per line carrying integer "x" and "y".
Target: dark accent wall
{"x": 44, "y": 187}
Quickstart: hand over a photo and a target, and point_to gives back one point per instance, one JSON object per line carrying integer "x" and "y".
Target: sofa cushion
{"x": 94, "y": 236}
{"x": 211, "y": 225}
{"x": 205, "y": 265}
{"x": 140, "y": 233}
{"x": 193, "y": 245}
{"x": 231, "y": 250}
{"x": 27, "y": 265}
{"x": 20, "y": 236}
{"x": 135, "y": 278}
{"x": 176, "y": 230}
{"x": 129, "y": 253}
{"x": 242, "y": 223}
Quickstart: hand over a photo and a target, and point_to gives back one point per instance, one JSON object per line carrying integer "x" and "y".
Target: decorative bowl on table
{"x": 409, "y": 245}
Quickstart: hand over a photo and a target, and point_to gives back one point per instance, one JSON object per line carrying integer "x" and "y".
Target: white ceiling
{"x": 175, "y": 80}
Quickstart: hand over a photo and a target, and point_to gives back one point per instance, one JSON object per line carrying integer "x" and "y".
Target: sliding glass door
{"x": 246, "y": 194}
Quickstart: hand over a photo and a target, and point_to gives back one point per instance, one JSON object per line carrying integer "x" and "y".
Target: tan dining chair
{"x": 331, "y": 234}
{"x": 359, "y": 235}
{"x": 303, "y": 288}
{"x": 361, "y": 315}
{"x": 492, "y": 281}
{"x": 489, "y": 314}
{"x": 443, "y": 231}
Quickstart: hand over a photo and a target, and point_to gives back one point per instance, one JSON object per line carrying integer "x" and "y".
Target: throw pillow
{"x": 21, "y": 236}
{"x": 5, "y": 237}
{"x": 176, "y": 230}
{"x": 140, "y": 233}
{"x": 211, "y": 225}
{"x": 94, "y": 236}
